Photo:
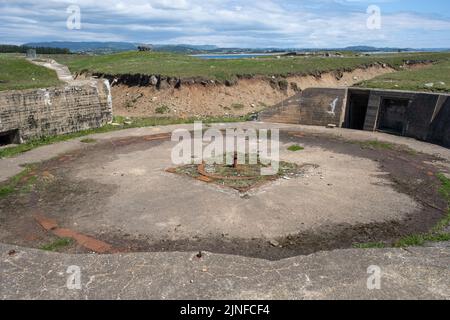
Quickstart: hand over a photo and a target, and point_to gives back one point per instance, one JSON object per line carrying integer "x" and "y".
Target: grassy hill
{"x": 183, "y": 66}
{"x": 16, "y": 73}
{"x": 416, "y": 80}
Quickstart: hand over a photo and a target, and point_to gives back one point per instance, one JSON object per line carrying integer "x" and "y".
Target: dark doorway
{"x": 9, "y": 137}
{"x": 357, "y": 110}
{"x": 393, "y": 115}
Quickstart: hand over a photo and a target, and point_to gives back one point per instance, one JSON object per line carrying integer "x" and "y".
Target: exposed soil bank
{"x": 138, "y": 96}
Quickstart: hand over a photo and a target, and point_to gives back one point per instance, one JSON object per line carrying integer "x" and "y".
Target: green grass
{"x": 135, "y": 123}
{"x": 162, "y": 110}
{"x": 445, "y": 191}
{"x": 415, "y": 80}
{"x": 445, "y": 188}
{"x": 57, "y": 244}
{"x": 16, "y": 74}
{"x": 370, "y": 245}
{"x": 21, "y": 182}
{"x": 420, "y": 239}
{"x": 295, "y": 148}
{"x": 375, "y": 144}
{"x": 184, "y": 66}
{"x": 437, "y": 234}
{"x": 88, "y": 140}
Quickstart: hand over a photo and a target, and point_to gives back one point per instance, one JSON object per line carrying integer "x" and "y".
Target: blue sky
{"x": 232, "y": 23}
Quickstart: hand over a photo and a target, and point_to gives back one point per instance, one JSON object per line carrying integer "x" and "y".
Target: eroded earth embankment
{"x": 150, "y": 95}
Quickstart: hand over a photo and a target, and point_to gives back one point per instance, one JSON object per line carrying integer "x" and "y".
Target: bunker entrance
{"x": 9, "y": 137}
{"x": 358, "y": 103}
{"x": 393, "y": 115}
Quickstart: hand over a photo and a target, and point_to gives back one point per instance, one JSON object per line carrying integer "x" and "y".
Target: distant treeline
{"x": 6, "y": 48}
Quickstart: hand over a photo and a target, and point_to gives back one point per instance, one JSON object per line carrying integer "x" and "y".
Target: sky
{"x": 231, "y": 23}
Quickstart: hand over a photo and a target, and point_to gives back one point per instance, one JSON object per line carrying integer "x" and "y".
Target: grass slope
{"x": 16, "y": 74}
{"x": 183, "y": 66}
{"x": 415, "y": 80}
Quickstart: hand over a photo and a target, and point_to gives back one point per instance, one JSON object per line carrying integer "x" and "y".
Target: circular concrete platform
{"x": 117, "y": 191}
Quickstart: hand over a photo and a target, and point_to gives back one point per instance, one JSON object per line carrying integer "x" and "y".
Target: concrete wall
{"x": 42, "y": 112}
{"x": 418, "y": 115}
{"x": 439, "y": 131}
{"x": 426, "y": 116}
{"x": 313, "y": 106}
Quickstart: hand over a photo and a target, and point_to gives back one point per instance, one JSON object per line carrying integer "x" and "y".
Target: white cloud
{"x": 263, "y": 23}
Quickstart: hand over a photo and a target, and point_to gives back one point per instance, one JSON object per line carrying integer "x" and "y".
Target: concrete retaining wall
{"x": 42, "y": 112}
{"x": 439, "y": 131}
{"x": 427, "y": 115}
{"x": 424, "y": 116}
{"x": 313, "y": 106}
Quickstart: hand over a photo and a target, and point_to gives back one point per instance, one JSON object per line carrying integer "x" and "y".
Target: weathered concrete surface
{"x": 413, "y": 273}
{"x": 416, "y": 273}
{"x": 141, "y": 199}
{"x": 118, "y": 191}
{"x": 62, "y": 71}
{"x": 425, "y": 117}
{"x": 313, "y": 106}
{"x": 11, "y": 166}
{"x": 44, "y": 112}
{"x": 79, "y": 105}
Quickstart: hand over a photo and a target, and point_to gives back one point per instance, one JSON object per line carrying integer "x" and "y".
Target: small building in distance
{"x": 145, "y": 47}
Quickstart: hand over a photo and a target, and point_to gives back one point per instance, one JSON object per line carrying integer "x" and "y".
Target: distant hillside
{"x": 110, "y": 47}
{"x": 86, "y": 46}
{"x": 184, "y": 48}
{"x": 374, "y": 49}
{"x": 5, "y": 48}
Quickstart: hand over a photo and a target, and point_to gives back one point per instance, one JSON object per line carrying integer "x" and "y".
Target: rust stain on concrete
{"x": 88, "y": 242}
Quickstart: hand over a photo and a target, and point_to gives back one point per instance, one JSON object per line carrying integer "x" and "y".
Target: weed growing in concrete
{"x": 88, "y": 140}
{"x": 375, "y": 144}
{"x": 295, "y": 148}
{"x": 23, "y": 182}
{"x": 57, "y": 244}
{"x": 370, "y": 245}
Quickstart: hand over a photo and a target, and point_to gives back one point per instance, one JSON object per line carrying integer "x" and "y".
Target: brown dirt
{"x": 247, "y": 96}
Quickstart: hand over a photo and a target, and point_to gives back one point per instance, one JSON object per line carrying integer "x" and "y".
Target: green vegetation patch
{"x": 57, "y": 244}
{"x": 88, "y": 140}
{"x": 437, "y": 234}
{"x": 21, "y": 182}
{"x": 295, "y": 148}
{"x": 420, "y": 239}
{"x": 434, "y": 78}
{"x": 370, "y": 245}
{"x": 162, "y": 110}
{"x": 184, "y": 66}
{"x": 16, "y": 73}
{"x": 375, "y": 144}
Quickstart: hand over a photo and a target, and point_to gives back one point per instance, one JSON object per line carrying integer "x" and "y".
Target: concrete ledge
{"x": 415, "y": 273}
